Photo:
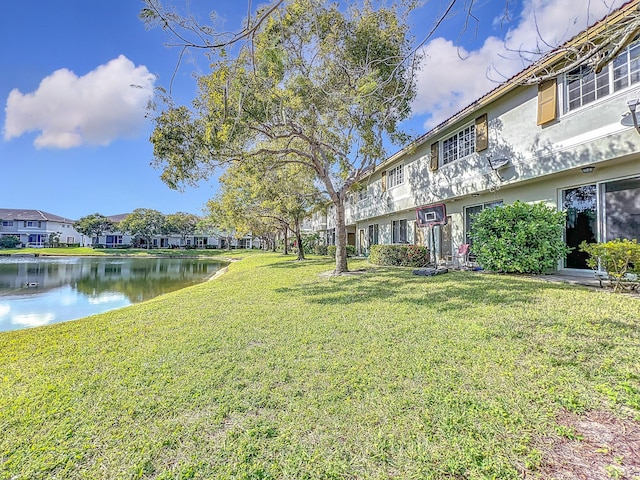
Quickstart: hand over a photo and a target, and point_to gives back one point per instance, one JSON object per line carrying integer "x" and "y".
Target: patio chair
{"x": 461, "y": 259}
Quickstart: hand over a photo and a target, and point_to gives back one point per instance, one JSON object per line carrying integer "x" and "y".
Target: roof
{"x": 550, "y": 58}
{"x": 118, "y": 217}
{"x": 26, "y": 214}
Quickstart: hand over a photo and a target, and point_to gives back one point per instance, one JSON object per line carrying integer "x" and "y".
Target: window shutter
{"x": 482, "y": 133}
{"x": 384, "y": 181}
{"x": 547, "y": 108}
{"x": 433, "y": 164}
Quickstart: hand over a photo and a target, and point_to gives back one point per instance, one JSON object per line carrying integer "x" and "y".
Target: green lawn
{"x": 274, "y": 371}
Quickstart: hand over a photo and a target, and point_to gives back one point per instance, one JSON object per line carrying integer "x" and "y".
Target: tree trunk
{"x": 341, "y": 236}
{"x": 286, "y": 240}
{"x": 299, "y": 241}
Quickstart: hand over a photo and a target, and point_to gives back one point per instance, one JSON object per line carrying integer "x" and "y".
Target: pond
{"x": 40, "y": 291}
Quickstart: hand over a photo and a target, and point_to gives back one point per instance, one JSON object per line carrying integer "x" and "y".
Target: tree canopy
{"x": 143, "y": 223}
{"x": 261, "y": 199}
{"x": 181, "y": 223}
{"x": 317, "y": 86}
{"x": 93, "y": 225}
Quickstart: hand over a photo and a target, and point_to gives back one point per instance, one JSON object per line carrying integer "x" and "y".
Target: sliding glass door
{"x": 600, "y": 213}
{"x": 581, "y": 205}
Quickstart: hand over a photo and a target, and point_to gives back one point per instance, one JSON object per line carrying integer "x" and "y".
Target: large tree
{"x": 183, "y": 224}
{"x": 144, "y": 223}
{"x": 93, "y": 225}
{"x": 261, "y": 196}
{"x": 314, "y": 85}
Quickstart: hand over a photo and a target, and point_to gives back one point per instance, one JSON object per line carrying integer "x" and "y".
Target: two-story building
{"x": 36, "y": 228}
{"x": 559, "y": 132}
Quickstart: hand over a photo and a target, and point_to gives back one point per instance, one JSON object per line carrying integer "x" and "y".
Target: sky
{"x": 76, "y": 77}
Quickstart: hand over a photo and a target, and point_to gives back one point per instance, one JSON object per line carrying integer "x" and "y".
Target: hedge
{"x": 351, "y": 251}
{"x": 399, "y": 255}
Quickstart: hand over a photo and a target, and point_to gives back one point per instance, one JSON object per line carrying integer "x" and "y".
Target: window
{"x": 331, "y": 236}
{"x": 6, "y": 223}
{"x": 373, "y": 234}
{"x": 585, "y": 86}
{"x": 459, "y": 145}
{"x": 621, "y": 202}
{"x": 395, "y": 176}
{"x": 361, "y": 195}
{"x": 626, "y": 67}
{"x": 113, "y": 240}
{"x": 470, "y": 214}
{"x": 399, "y": 231}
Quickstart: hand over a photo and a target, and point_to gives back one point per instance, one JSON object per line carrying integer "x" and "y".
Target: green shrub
{"x": 320, "y": 250}
{"x": 351, "y": 251}
{"x": 9, "y": 241}
{"x": 399, "y": 255}
{"x": 519, "y": 238}
{"x": 619, "y": 258}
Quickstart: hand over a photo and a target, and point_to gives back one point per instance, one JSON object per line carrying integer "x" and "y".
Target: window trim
{"x": 373, "y": 234}
{"x": 392, "y": 174}
{"x": 460, "y": 133}
{"x": 399, "y": 240}
{"x": 612, "y": 92}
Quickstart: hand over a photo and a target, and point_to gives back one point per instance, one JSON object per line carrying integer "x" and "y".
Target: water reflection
{"x": 35, "y": 292}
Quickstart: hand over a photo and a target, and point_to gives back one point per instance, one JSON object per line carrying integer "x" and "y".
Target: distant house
{"x": 36, "y": 228}
{"x": 117, "y": 239}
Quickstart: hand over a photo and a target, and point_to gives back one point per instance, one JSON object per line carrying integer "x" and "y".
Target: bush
{"x": 620, "y": 259}
{"x": 331, "y": 251}
{"x": 399, "y": 255}
{"x": 9, "y": 241}
{"x": 320, "y": 250}
{"x": 519, "y": 238}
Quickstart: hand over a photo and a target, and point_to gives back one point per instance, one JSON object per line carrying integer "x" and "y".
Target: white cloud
{"x": 95, "y": 109}
{"x": 33, "y": 319}
{"x": 452, "y": 78}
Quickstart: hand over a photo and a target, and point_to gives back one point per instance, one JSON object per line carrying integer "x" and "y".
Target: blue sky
{"x": 75, "y": 76}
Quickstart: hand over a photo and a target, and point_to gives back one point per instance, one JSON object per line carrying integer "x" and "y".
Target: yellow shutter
{"x": 433, "y": 164}
{"x": 547, "y": 103}
{"x": 482, "y": 133}
{"x": 384, "y": 181}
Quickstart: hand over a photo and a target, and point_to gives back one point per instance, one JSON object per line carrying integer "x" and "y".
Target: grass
{"x": 274, "y": 371}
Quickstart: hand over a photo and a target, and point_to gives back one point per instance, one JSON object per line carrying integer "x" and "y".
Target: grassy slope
{"x": 275, "y": 372}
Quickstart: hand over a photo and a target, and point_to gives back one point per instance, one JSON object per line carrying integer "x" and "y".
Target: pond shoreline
{"x": 41, "y": 290}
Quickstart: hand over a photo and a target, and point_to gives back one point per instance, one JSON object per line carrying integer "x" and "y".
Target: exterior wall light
{"x": 588, "y": 169}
